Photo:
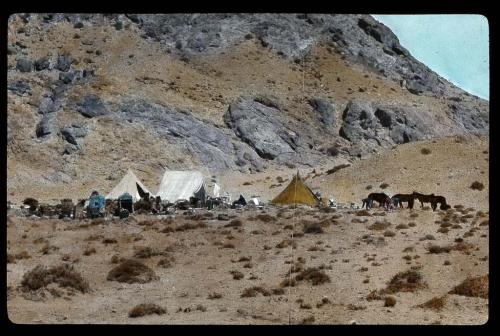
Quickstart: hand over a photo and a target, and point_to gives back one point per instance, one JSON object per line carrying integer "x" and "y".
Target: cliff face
{"x": 91, "y": 95}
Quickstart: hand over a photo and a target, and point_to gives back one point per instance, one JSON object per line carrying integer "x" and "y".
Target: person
{"x": 388, "y": 205}
{"x": 367, "y": 202}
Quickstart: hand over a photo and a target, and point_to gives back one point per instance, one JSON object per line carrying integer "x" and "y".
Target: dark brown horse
{"x": 398, "y": 199}
{"x": 433, "y": 200}
{"x": 381, "y": 198}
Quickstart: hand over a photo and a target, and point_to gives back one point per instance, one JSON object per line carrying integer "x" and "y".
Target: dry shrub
{"x": 484, "y": 223}
{"x": 228, "y": 245}
{"x": 109, "y": 241}
{"x": 402, "y": 227}
{"x": 253, "y": 291}
{"x": 288, "y": 282}
{"x": 115, "y": 259}
{"x": 425, "y": 151}
{"x": 379, "y": 226}
{"x": 237, "y": 275}
{"x": 473, "y": 287}
{"x": 381, "y": 213}
{"x": 407, "y": 281}
{"x": 92, "y": 237}
{"x": 146, "y": 309}
{"x": 132, "y": 271}
{"x": 266, "y": 218}
{"x": 412, "y": 224}
{"x": 409, "y": 249}
{"x": 357, "y": 220}
{"x": 286, "y": 243}
{"x": 305, "y": 306}
{"x": 436, "y": 249}
{"x": 190, "y": 226}
{"x": 308, "y": 320}
{"x": 146, "y": 252}
{"x": 414, "y": 215}
{"x": 363, "y": 212}
{"x": 477, "y": 186}
{"x": 312, "y": 228}
{"x": 351, "y": 306}
{"x": 146, "y": 222}
{"x": 214, "y": 295}
{"x": 383, "y": 185}
{"x": 443, "y": 230}
{"x": 63, "y": 275}
{"x": 166, "y": 262}
{"x": 89, "y": 250}
{"x": 389, "y": 301}
{"x": 234, "y": 223}
{"x": 373, "y": 295}
{"x": 389, "y": 233}
{"x": 315, "y": 276}
{"x": 436, "y": 303}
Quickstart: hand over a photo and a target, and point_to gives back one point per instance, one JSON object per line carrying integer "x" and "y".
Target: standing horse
{"x": 398, "y": 199}
{"x": 381, "y": 198}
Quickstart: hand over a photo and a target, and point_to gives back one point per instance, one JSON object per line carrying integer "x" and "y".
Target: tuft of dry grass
{"x": 266, "y": 218}
{"x": 308, "y": 320}
{"x": 146, "y": 309}
{"x": 379, "y": 226}
{"x": 89, "y": 250}
{"x": 253, "y": 291}
{"x": 473, "y": 287}
{"x": 312, "y": 228}
{"x": 402, "y": 227}
{"x": 389, "y": 233}
{"x": 132, "y": 271}
{"x": 166, "y": 262}
{"x": 287, "y": 242}
{"x": 190, "y": 226}
{"x": 237, "y": 275}
{"x": 315, "y": 276}
{"x": 425, "y": 151}
{"x": 63, "y": 275}
{"x": 146, "y": 252}
{"x": 436, "y": 303}
{"x": 234, "y": 223}
{"x": 362, "y": 212}
{"x": 214, "y": 296}
{"x": 408, "y": 281}
{"x": 477, "y": 186}
{"x": 389, "y": 301}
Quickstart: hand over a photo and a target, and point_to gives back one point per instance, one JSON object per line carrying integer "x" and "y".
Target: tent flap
{"x": 296, "y": 193}
{"x": 129, "y": 184}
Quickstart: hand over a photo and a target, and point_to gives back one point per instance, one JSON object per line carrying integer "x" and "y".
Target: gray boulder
{"x": 67, "y": 77}
{"x": 48, "y": 104}
{"x": 91, "y": 106}
{"x": 325, "y": 111}
{"x": 74, "y": 134}
{"x": 24, "y": 65}
{"x": 260, "y": 126}
{"x": 19, "y": 87}
{"x": 63, "y": 63}
{"x": 42, "y": 64}
{"x": 359, "y": 121}
{"x": 46, "y": 126}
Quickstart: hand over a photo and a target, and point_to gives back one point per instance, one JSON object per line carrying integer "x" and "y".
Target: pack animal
{"x": 381, "y": 198}
{"x": 398, "y": 200}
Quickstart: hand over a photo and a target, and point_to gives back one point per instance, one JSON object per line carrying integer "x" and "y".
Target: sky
{"x": 456, "y": 46}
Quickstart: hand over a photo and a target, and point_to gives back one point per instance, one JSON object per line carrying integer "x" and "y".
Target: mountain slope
{"x": 222, "y": 93}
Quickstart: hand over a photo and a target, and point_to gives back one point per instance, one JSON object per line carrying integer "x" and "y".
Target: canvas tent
{"x": 176, "y": 185}
{"x": 296, "y": 193}
{"x": 129, "y": 184}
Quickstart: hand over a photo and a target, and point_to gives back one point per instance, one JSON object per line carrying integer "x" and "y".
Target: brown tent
{"x": 296, "y": 193}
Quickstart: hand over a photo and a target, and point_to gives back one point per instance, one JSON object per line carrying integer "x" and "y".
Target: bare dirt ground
{"x": 355, "y": 256}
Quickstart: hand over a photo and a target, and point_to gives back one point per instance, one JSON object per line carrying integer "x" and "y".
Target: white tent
{"x": 176, "y": 185}
{"x": 216, "y": 190}
{"x": 130, "y": 184}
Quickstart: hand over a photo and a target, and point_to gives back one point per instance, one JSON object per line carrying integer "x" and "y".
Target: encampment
{"x": 296, "y": 193}
{"x": 176, "y": 185}
{"x": 129, "y": 184}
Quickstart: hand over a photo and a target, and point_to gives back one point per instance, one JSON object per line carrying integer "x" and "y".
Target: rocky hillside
{"x": 91, "y": 95}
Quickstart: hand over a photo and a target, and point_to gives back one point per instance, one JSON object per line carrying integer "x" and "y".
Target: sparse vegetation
{"x": 146, "y": 309}
{"x": 389, "y": 301}
{"x": 408, "y": 281}
{"x": 63, "y": 275}
{"x": 436, "y": 303}
{"x": 384, "y": 185}
{"x": 379, "y": 226}
{"x": 132, "y": 271}
{"x": 425, "y": 151}
{"x": 473, "y": 287}
{"x": 315, "y": 276}
{"x": 477, "y": 186}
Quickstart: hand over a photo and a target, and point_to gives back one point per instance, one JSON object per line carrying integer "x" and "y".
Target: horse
{"x": 433, "y": 200}
{"x": 398, "y": 199}
{"x": 381, "y": 198}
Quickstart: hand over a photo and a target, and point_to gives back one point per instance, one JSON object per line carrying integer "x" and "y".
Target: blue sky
{"x": 456, "y": 46}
